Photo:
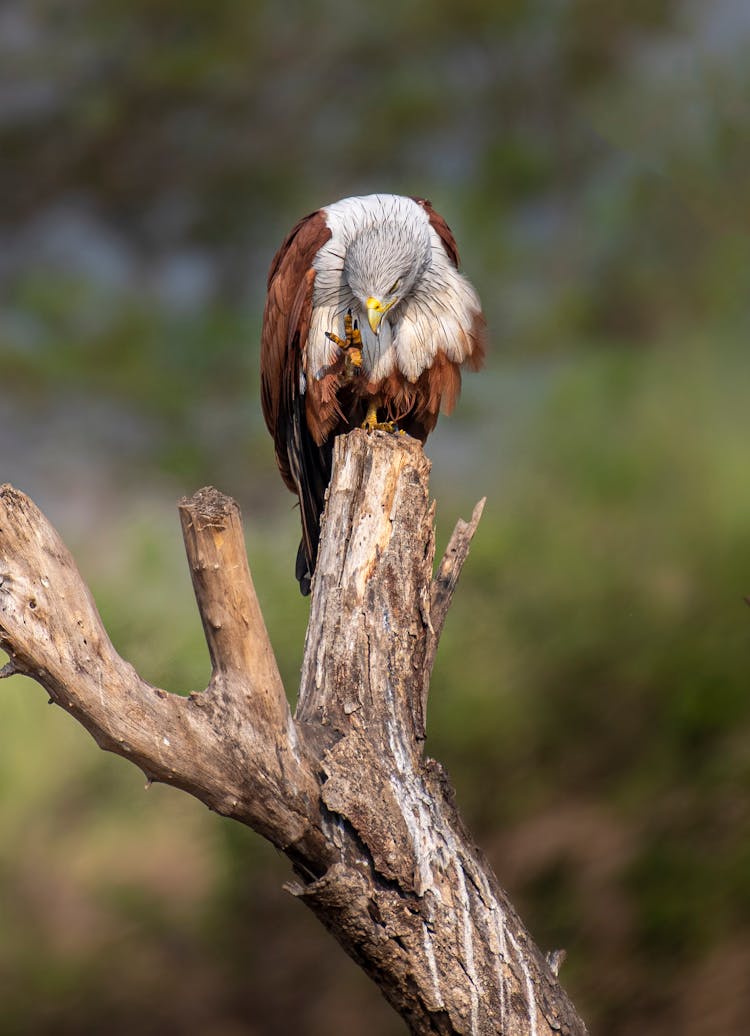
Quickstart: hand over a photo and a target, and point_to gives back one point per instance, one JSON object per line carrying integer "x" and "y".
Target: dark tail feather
{"x": 310, "y": 465}
{"x": 315, "y": 475}
{"x": 303, "y": 570}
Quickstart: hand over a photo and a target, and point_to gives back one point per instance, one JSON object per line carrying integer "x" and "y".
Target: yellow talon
{"x": 371, "y": 423}
{"x": 353, "y": 361}
{"x": 351, "y": 346}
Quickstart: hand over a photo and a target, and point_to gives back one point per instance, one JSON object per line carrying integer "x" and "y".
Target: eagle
{"x": 367, "y": 322}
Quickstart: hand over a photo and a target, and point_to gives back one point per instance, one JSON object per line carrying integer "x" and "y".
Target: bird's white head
{"x": 383, "y": 263}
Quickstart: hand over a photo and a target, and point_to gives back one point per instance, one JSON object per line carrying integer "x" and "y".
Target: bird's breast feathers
{"x": 439, "y": 314}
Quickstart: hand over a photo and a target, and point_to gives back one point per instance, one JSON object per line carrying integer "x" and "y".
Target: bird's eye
{"x": 394, "y": 287}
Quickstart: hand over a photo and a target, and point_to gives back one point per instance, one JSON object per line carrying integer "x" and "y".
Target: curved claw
{"x": 350, "y": 346}
{"x": 381, "y": 426}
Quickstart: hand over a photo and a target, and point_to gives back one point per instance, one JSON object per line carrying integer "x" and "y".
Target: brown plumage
{"x": 392, "y": 263}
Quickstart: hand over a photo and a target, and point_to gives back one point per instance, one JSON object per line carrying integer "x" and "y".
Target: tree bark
{"x": 343, "y": 788}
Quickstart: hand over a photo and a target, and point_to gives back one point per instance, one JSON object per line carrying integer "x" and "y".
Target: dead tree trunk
{"x": 343, "y": 788}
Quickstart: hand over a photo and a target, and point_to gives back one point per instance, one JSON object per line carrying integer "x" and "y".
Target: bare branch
{"x": 441, "y": 595}
{"x": 9, "y": 669}
{"x": 446, "y": 578}
{"x": 52, "y": 630}
{"x": 370, "y": 825}
{"x": 241, "y": 654}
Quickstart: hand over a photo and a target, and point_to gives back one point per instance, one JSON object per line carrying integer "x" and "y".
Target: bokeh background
{"x": 591, "y": 693}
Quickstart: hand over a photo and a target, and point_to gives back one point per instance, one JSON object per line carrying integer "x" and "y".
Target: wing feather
{"x": 305, "y": 466}
{"x": 442, "y": 230}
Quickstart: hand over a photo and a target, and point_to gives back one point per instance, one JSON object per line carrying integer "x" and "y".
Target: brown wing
{"x": 304, "y": 465}
{"x": 441, "y": 228}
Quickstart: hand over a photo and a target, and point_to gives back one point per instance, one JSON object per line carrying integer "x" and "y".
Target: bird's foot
{"x": 371, "y": 423}
{"x": 351, "y": 345}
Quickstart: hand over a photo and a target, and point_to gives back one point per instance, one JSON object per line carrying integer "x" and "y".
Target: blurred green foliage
{"x": 590, "y": 697}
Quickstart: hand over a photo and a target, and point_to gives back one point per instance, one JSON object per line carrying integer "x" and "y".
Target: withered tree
{"x": 369, "y": 824}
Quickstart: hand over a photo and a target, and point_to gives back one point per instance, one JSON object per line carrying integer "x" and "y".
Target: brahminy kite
{"x": 367, "y": 317}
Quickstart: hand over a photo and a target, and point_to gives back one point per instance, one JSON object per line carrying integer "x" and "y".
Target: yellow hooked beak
{"x": 376, "y": 310}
